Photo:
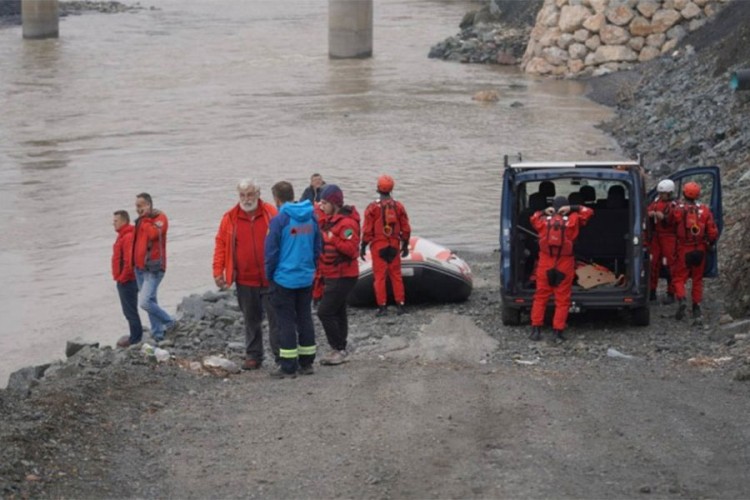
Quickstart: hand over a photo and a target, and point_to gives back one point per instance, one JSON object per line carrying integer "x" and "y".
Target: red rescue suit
{"x": 696, "y": 230}
{"x": 385, "y": 229}
{"x": 663, "y": 243}
{"x": 559, "y": 257}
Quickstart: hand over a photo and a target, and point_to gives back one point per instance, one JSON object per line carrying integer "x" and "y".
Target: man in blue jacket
{"x": 292, "y": 249}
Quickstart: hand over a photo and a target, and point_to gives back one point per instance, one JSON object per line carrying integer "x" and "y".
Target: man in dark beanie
{"x": 338, "y": 266}
{"x": 558, "y": 228}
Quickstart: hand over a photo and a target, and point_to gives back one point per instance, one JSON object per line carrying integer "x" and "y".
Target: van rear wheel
{"x": 511, "y": 316}
{"x": 641, "y": 316}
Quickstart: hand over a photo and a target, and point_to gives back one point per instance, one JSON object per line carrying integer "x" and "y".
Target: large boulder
{"x": 614, "y": 53}
{"x": 614, "y": 35}
{"x": 640, "y": 26}
{"x": 619, "y": 14}
{"x": 572, "y": 17}
{"x": 21, "y": 381}
{"x": 664, "y": 19}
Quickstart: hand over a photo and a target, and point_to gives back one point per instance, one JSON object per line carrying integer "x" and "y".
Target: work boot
{"x": 334, "y": 358}
{"x": 668, "y": 300}
{"x": 536, "y": 333}
{"x": 652, "y": 295}
{"x": 559, "y": 337}
{"x": 697, "y": 313}
{"x": 306, "y": 370}
{"x": 124, "y": 342}
{"x": 280, "y": 373}
{"x": 400, "y": 309}
{"x": 382, "y": 311}
{"x": 681, "y": 307}
{"x": 251, "y": 364}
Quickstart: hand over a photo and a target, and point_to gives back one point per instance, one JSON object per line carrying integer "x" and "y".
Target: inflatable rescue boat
{"x": 431, "y": 273}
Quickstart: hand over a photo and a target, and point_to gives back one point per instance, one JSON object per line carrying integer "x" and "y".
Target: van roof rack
{"x": 622, "y": 165}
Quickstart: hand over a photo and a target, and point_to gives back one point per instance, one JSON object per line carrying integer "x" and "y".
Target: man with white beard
{"x": 239, "y": 257}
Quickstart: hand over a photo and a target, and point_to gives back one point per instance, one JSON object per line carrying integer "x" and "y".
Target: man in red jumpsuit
{"x": 663, "y": 238}
{"x": 558, "y": 227}
{"x": 387, "y": 231}
{"x": 696, "y": 231}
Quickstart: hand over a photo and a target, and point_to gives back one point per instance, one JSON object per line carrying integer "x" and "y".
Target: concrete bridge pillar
{"x": 349, "y": 29}
{"x": 40, "y": 18}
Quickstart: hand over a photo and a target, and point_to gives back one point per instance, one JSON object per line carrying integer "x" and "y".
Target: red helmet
{"x": 691, "y": 190}
{"x": 385, "y": 184}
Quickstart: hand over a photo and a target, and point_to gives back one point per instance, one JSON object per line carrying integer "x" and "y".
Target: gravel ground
{"x": 441, "y": 402}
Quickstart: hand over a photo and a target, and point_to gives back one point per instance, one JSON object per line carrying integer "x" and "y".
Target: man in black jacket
{"x": 312, "y": 192}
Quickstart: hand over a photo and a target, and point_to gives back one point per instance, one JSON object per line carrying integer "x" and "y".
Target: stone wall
{"x": 578, "y": 37}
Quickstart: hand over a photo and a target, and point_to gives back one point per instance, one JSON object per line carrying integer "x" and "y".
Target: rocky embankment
{"x": 497, "y": 33}
{"x": 679, "y": 111}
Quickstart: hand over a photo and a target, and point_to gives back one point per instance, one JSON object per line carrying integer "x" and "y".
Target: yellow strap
{"x": 288, "y": 353}
{"x": 306, "y": 350}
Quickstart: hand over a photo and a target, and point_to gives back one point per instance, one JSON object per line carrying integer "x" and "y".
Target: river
{"x": 184, "y": 99}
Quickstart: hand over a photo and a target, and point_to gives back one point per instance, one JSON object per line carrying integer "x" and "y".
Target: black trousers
{"x": 332, "y": 310}
{"x": 293, "y": 308}
{"x": 253, "y": 301}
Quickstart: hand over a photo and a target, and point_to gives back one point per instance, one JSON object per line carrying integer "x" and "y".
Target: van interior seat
{"x": 589, "y": 195}
{"x": 603, "y": 239}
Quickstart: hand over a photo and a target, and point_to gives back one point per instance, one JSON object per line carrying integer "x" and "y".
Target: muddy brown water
{"x": 183, "y": 100}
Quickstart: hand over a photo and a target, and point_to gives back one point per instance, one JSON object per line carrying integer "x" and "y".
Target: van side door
{"x": 709, "y": 178}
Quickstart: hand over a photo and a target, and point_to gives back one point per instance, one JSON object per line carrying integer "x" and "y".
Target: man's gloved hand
{"x": 362, "y": 250}
{"x": 404, "y": 248}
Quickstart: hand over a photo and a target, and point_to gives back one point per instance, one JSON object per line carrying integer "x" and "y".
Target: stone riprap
{"x": 582, "y": 37}
{"x": 497, "y": 33}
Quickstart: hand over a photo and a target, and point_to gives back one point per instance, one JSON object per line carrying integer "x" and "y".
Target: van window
{"x": 593, "y": 193}
{"x": 603, "y": 241}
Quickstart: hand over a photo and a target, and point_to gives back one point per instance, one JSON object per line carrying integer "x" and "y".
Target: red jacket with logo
{"x": 122, "y": 255}
{"x": 246, "y": 265}
{"x": 340, "y": 233}
{"x": 374, "y": 229}
{"x": 150, "y": 242}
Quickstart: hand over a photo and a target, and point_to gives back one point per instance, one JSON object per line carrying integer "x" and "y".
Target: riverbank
{"x": 443, "y": 377}
{"x": 495, "y": 33}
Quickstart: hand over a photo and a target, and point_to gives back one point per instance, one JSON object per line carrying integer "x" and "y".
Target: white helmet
{"x": 665, "y": 186}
